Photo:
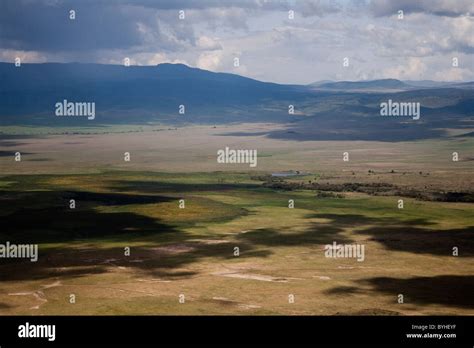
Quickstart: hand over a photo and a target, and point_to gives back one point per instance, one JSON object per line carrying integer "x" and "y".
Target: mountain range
{"x": 153, "y": 94}
{"x": 386, "y": 84}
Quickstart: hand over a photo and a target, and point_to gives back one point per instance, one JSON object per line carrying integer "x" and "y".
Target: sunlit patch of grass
{"x": 196, "y": 209}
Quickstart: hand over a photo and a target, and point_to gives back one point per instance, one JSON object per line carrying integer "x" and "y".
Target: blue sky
{"x": 270, "y": 46}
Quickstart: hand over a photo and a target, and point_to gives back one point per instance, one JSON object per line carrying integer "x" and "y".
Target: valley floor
{"x": 191, "y": 251}
{"x": 189, "y": 254}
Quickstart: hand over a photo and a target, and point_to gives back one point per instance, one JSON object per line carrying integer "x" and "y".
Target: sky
{"x": 429, "y": 40}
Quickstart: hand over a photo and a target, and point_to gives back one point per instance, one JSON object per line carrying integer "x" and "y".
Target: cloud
{"x": 317, "y": 8}
{"x": 462, "y": 33}
{"x": 25, "y": 56}
{"x": 45, "y": 26}
{"x": 447, "y": 8}
{"x": 306, "y": 7}
{"x": 413, "y": 69}
{"x": 270, "y": 46}
{"x": 453, "y": 74}
{"x": 208, "y": 43}
{"x": 210, "y": 60}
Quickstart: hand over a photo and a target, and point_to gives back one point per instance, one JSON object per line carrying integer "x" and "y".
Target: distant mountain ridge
{"x": 155, "y": 94}
{"x": 390, "y": 84}
{"x": 379, "y": 84}
{"x": 35, "y": 88}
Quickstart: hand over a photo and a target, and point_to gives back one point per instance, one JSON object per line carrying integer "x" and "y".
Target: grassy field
{"x": 193, "y": 149}
{"x": 190, "y": 251}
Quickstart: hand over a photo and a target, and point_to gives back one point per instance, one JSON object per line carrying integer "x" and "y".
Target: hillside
{"x": 152, "y": 94}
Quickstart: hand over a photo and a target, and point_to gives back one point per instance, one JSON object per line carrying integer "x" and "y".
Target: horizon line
{"x": 323, "y": 81}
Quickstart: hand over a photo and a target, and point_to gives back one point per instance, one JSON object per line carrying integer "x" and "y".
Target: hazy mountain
{"x": 139, "y": 95}
{"x": 439, "y": 84}
{"x": 426, "y": 83}
{"x": 464, "y": 85}
{"x": 319, "y": 83}
{"x": 386, "y": 84}
{"x": 119, "y": 90}
{"x": 391, "y": 84}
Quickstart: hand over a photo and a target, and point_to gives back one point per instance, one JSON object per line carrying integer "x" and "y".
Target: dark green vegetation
{"x": 384, "y": 189}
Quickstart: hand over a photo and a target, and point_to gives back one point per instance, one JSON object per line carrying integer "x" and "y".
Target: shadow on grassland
{"x": 160, "y": 260}
{"x": 317, "y": 234}
{"x": 448, "y": 290}
{"x": 12, "y": 154}
{"x": 166, "y": 187}
{"x": 415, "y": 237}
{"x": 4, "y": 306}
{"x": 44, "y": 217}
{"x": 412, "y": 236}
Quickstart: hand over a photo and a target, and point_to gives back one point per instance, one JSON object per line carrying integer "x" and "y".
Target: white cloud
{"x": 453, "y": 74}
{"x": 208, "y": 43}
{"x": 413, "y": 69}
{"x": 210, "y": 60}
{"x": 463, "y": 30}
{"x": 25, "y": 56}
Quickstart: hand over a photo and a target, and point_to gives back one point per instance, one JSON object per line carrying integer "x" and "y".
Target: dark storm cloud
{"x": 45, "y": 26}
{"x": 99, "y": 25}
{"x": 105, "y": 24}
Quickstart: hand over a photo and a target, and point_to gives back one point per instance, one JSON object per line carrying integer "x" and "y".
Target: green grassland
{"x": 41, "y": 130}
{"x": 190, "y": 251}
